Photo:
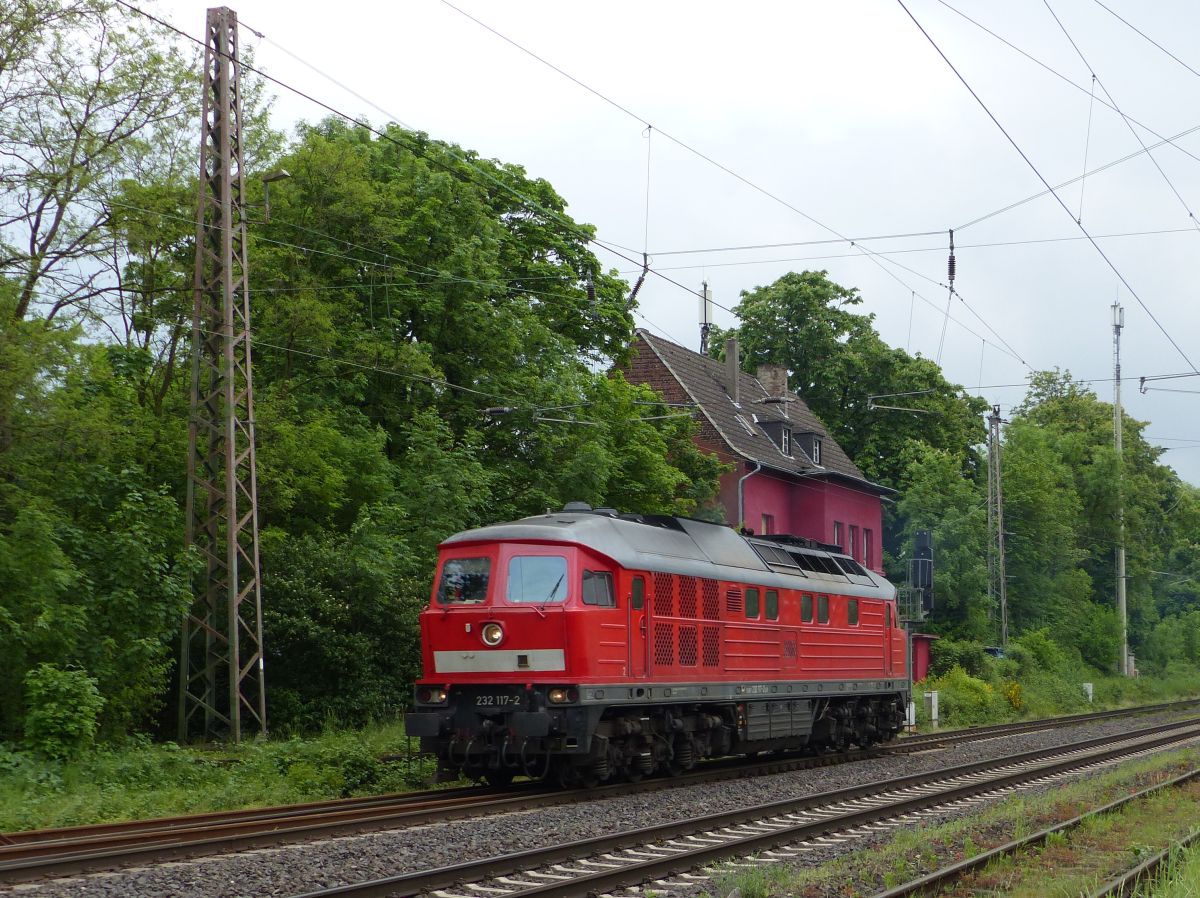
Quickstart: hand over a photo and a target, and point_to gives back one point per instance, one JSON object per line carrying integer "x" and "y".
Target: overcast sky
{"x": 844, "y": 111}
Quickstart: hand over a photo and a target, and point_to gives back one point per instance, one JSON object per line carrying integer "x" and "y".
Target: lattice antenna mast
{"x": 997, "y": 580}
{"x": 221, "y": 685}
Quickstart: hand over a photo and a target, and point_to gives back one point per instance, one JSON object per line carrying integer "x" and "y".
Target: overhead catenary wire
{"x": 1034, "y": 168}
{"x": 683, "y": 145}
{"x": 529, "y": 203}
{"x": 1124, "y": 118}
{"x": 1064, "y": 78}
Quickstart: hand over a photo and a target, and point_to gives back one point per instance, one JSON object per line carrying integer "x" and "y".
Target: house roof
{"x": 703, "y": 379}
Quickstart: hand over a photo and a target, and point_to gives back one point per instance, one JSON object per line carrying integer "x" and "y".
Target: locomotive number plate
{"x": 497, "y": 701}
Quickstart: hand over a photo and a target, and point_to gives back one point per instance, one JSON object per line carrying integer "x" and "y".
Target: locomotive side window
{"x": 464, "y": 580}
{"x": 598, "y": 589}
{"x": 752, "y": 603}
{"x": 822, "y": 609}
{"x": 806, "y": 608}
{"x": 772, "y": 607}
{"x": 852, "y": 612}
{"x": 537, "y": 579}
{"x": 639, "y": 593}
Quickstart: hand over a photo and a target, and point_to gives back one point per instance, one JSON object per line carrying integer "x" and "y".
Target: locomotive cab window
{"x": 752, "y": 604}
{"x": 822, "y": 609}
{"x": 639, "y": 593}
{"x": 537, "y": 579}
{"x": 852, "y": 612}
{"x": 598, "y": 589}
{"x": 806, "y": 608}
{"x": 464, "y": 580}
{"x": 772, "y": 604}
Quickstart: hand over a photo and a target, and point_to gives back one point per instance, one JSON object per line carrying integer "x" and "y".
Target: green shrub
{"x": 62, "y": 710}
{"x": 964, "y": 700}
{"x": 946, "y": 654}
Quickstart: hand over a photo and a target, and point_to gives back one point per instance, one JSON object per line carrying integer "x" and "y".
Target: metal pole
{"x": 227, "y": 678}
{"x": 1118, "y": 323}
{"x": 997, "y": 580}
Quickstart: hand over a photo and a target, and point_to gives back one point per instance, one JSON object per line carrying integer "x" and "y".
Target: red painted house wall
{"x": 807, "y": 506}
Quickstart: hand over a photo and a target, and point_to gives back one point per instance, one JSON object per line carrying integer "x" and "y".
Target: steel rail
{"x": 1130, "y": 880}
{"x": 25, "y": 855}
{"x": 1074, "y": 755}
{"x": 958, "y": 869}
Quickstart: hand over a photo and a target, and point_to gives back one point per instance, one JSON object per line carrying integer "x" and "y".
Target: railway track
{"x": 1117, "y": 886}
{"x": 39, "y": 853}
{"x": 665, "y": 855}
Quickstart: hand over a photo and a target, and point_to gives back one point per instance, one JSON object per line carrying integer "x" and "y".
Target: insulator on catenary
{"x": 950, "y": 268}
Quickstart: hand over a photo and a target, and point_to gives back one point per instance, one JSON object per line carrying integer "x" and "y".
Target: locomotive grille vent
{"x": 687, "y": 598}
{"x": 735, "y": 602}
{"x": 664, "y": 595}
{"x": 712, "y": 646}
{"x": 687, "y": 646}
{"x": 712, "y": 599}
{"x": 664, "y": 645}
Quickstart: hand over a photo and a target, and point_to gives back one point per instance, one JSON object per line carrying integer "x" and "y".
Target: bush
{"x": 63, "y": 707}
{"x": 947, "y": 654}
{"x": 964, "y": 700}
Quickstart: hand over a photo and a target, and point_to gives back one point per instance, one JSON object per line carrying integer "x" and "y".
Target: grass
{"x": 1180, "y": 879}
{"x": 1068, "y": 864}
{"x": 144, "y": 780}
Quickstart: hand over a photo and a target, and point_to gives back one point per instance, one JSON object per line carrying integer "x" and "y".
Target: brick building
{"x": 789, "y": 475}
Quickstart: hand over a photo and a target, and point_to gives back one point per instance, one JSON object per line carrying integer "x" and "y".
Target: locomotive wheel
{"x": 499, "y": 779}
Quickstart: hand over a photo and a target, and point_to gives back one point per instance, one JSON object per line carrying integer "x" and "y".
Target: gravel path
{"x": 306, "y": 867}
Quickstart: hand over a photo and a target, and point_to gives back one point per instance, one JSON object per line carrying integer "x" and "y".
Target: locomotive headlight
{"x": 431, "y": 696}
{"x": 557, "y": 696}
{"x": 492, "y": 634}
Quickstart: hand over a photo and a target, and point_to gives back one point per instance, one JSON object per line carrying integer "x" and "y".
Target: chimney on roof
{"x": 773, "y": 379}
{"x": 733, "y": 370}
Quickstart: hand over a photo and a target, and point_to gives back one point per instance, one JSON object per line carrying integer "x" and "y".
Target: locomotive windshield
{"x": 537, "y": 578}
{"x": 464, "y": 580}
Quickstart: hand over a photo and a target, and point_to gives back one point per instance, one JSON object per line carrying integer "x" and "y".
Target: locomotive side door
{"x": 637, "y": 626}
{"x": 888, "y": 633}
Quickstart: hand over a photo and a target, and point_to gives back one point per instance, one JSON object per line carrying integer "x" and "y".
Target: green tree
{"x": 836, "y": 360}
{"x": 935, "y": 496}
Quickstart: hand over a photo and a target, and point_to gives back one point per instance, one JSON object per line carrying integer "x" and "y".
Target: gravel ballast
{"x": 299, "y": 868}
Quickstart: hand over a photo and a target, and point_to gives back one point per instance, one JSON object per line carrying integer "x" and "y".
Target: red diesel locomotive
{"x": 589, "y": 645}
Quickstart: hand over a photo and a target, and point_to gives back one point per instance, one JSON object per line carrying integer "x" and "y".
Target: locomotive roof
{"x": 692, "y": 548}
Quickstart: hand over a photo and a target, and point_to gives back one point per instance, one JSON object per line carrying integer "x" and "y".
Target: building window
{"x": 837, "y": 534}
{"x": 768, "y": 524}
{"x": 785, "y": 441}
{"x": 816, "y": 452}
{"x": 854, "y": 541}
{"x": 868, "y": 538}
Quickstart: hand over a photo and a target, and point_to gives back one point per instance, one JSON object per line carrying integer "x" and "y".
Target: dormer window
{"x": 780, "y": 433}
{"x": 810, "y": 444}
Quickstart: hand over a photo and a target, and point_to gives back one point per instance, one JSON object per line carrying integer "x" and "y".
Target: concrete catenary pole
{"x": 1118, "y": 314}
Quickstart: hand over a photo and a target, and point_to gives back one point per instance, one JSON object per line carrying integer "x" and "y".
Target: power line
{"x": 1124, "y": 117}
{"x": 1147, "y": 37}
{"x": 680, "y": 143}
{"x": 529, "y": 203}
{"x": 1035, "y": 170}
{"x": 1061, "y": 77}
{"x": 727, "y": 249}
